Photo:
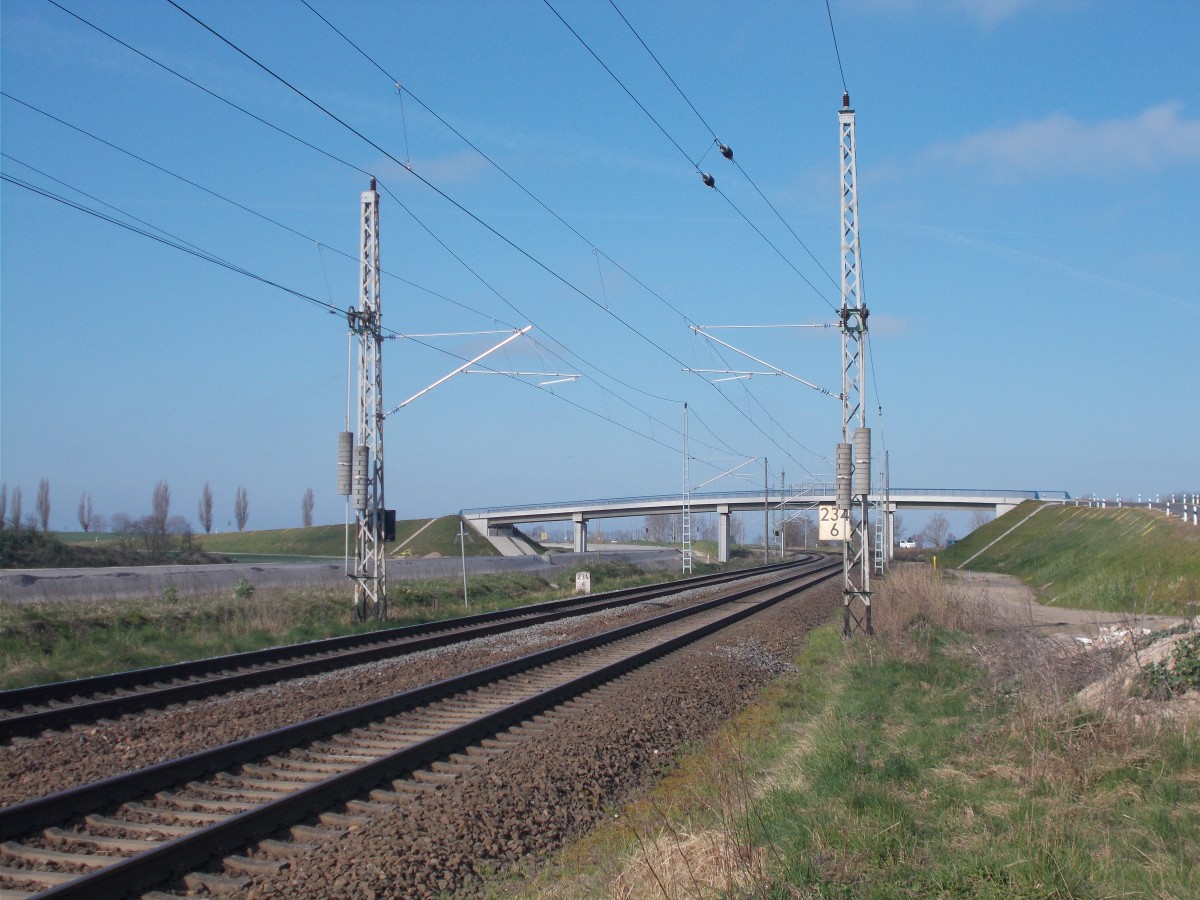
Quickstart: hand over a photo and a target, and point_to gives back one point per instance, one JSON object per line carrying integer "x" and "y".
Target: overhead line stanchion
{"x": 854, "y": 452}
{"x": 371, "y": 517}
{"x": 686, "y": 518}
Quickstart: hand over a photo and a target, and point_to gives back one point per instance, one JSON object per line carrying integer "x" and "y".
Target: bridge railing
{"x": 773, "y": 495}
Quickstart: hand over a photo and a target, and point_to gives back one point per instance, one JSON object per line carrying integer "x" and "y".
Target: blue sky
{"x": 1029, "y": 196}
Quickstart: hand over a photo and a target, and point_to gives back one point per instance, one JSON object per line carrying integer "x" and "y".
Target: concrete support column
{"x": 890, "y": 532}
{"x": 723, "y": 534}
{"x": 1002, "y": 508}
{"x": 580, "y": 532}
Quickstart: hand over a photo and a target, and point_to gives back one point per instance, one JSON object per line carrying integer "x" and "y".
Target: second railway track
{"x": 141, "y": 828}
{"x": 28, "y": 711}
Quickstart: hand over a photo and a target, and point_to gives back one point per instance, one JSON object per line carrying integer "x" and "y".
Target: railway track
{"x": 141, "y": 829}
{"x": 31, "y": 710}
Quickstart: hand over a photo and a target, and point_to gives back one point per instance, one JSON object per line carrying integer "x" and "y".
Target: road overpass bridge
{"x": 497, "y": 522}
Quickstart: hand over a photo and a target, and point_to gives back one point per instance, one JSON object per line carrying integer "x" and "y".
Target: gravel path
{"x": 1014, "y": 603}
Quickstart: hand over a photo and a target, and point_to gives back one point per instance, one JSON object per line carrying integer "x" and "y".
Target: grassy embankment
{"x": 53, "y": 641}
{"x": 943, "y": 759}
{"x": 1117, "y": 560}
{"x": 414, "y": 537}
{"x": 322, "y": 541}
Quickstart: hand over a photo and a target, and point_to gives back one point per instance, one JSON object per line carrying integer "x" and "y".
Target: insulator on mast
{"x": 708, "y": 180}
{"x": 844, "y": 466}
{"x": 846, "y": 100}
{"x": 861, "y": 485}
{"x": 345, "y": 463}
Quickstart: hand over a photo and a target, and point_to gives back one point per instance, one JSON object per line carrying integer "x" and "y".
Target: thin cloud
{"x": 992, "y": 12}
{"x": 957, "y": 237}
{"x": 987, "y": 12}
{"x": 1157, "y": 137}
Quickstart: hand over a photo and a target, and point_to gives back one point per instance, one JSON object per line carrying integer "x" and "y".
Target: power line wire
{"x": 166, "y": 238}
{"x": 407, "y": 90}
{"x": 335, "y": 158}
{"x": 450, "y": 199}
{"x": 836, "y": 51}
{"x": 170, "y": 241}
{"x": 717, "y": 140}
{"x": 539, "y": 263}
{"x": 632, "y": 96}
{"x": 242, "y": 206}
{"x": 361, "y": 171}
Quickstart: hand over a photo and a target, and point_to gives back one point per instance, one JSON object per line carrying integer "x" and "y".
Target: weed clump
{"x": 1179, "y": 673}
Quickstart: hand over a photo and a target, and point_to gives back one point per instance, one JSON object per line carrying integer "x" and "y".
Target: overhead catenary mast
{"x": 372, "y": 521}
{"x": 854, "y": 452}
{"x": 685, "y": 520}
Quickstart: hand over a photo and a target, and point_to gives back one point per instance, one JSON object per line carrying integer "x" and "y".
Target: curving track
{"x": 138, "y": 829}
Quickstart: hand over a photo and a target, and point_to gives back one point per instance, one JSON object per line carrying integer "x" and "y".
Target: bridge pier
{"x": 1002, "y": 508}
{"x": 890, "y": 533}
{"x": 580, "y": 532}
{"x": 723, "y": 533}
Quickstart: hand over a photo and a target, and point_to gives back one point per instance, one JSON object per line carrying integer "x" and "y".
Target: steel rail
{"x": 298, "y": 660}
{"x": 189, "y": 851}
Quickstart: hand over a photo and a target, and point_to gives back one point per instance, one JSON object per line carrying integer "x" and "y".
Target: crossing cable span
{"x": 177, "y": 242}
{"x": 173, "y": 241}
{"x": 695, "y": 165}
{"x": 545, "y": 207}
{"x": 170, "y": 241}
{"x": 513, "y": 244}
{"x": 353, "y": 167}
{"x": 460, "y": 207}
{"x": 96, "y": 199}
{"x": 241, "y": 206}
{"x": 717, "y": 141}
{"x": 836, "y": 51}
{"x": 211, "y": 93}
{"x": 497, "y": 166}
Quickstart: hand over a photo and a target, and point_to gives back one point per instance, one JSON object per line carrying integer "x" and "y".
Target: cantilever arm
{"x": 463, "y": 367}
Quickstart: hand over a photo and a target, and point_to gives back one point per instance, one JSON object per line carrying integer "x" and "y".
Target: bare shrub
{"x": 205, "y": 508}
{"x": 306, "y": 508}
{"x": 84, "y": 513}
{"x": 43, "y": 503}
{"x": 241, "y": 508}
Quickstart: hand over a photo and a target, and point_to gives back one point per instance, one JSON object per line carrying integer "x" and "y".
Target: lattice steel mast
{"x": 854, "y": 452}
{"x": 369, "y": 573}
{"x": 685, "y": 520}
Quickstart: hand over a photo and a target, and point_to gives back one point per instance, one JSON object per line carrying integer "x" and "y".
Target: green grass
{"x": 322, "y": 541}
{"x": 892, "y": 769}
{"x": 1119, "y": 560}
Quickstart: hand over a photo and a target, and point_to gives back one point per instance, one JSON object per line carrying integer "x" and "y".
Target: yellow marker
{"x": 935, "y": 564}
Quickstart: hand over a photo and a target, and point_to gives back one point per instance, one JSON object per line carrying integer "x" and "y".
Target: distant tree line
{"x": 152, "y": 529}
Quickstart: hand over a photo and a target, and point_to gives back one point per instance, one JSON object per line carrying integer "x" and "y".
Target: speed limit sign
{"x": 835, "y": 523}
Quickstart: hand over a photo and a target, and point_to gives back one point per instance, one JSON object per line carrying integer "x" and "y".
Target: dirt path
{"x": 1014, "y": 602}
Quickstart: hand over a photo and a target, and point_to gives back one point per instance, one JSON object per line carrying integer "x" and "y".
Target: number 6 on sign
{"x": 835, "y": 523}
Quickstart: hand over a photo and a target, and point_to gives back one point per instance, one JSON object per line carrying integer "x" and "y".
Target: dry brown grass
{"x": 675, "y": 861}
{"x": 679, "y": 864}
{"x": 913, "y": 596}
{"x": 1048, "y": 737}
